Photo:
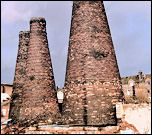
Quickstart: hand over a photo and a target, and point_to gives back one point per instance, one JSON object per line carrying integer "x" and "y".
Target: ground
{"x": 139, "y": 115}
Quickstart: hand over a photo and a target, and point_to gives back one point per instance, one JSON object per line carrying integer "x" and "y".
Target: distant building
{"x": 6, "y": 92}
{"x": 133, "y": 85}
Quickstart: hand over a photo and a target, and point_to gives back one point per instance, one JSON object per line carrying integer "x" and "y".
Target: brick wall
{"x": 39, "y": 97}
{"x": 7, "y": 89}
{"x": 92, "y": 84}
{"x": 19, "y": 78}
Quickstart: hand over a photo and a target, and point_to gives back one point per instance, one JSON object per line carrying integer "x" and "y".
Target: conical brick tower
{"x": 19, "y": 78}
{"x": 92, "y": 84}
{"x": 39, "y": 96}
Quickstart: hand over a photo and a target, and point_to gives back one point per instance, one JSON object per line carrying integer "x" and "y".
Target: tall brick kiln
{"x": 39, "y": 96}
{"x": 92, "y": 84}
{"x": 19, "y": 78}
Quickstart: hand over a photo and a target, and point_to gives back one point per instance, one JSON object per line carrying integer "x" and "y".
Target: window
{"x": 4, "y": 112}
{"x": 131, "y": 84}
{"x": 3, "y": 89}
{"x": 148, "y": 82}
{"x": 128, "y": 92}
{"x": 147, "y": 92}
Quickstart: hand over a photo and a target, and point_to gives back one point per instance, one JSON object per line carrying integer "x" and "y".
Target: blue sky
{"x": 129, "y": 21}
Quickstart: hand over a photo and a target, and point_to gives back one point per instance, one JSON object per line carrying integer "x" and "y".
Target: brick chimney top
{"x": 140, "y": 71}
{"x": 37, "y": 19}
{"x": 24, "y": 32}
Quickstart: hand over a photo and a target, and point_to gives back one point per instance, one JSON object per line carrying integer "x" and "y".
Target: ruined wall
{"x": 143, "y": 89}
{"x": 142, "y": 85}
{"x": 92, "y": 84}
{"x": 39, "y": 97}
{"x": 19, "y": 78}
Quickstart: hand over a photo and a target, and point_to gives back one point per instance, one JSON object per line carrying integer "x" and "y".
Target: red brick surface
{"x": 39, "y": 97}
{"x": 19, "y": 78}
{"x": 92, "y": 84}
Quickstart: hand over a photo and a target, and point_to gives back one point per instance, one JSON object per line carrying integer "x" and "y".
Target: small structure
{"x": 60, "y": 95}
{"x": 5, "y": 103}
{"x": 6, "y": 92}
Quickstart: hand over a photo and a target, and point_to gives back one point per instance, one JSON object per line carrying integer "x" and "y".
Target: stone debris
{"x": 121, "y": 128}
{"x": 127, "y": 131}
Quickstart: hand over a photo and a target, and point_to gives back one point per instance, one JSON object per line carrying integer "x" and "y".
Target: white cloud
{"x": 11, "y": 12}
{"x": 15, "y": 11}
{"x": 119, "y": 12}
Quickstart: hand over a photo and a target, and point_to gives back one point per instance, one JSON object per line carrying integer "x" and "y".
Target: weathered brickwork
{"x": 19, "y": 78}
{"x": 92, "y": 84}
{"x": 39, "y": 96}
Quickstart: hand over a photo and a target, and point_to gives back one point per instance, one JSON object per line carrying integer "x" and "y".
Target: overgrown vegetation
{"x": 140, "y": 97}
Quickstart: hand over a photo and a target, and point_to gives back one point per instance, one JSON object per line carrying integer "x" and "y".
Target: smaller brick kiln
{"x": 39, "y": 96}
{"x": 19, "y": 78}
